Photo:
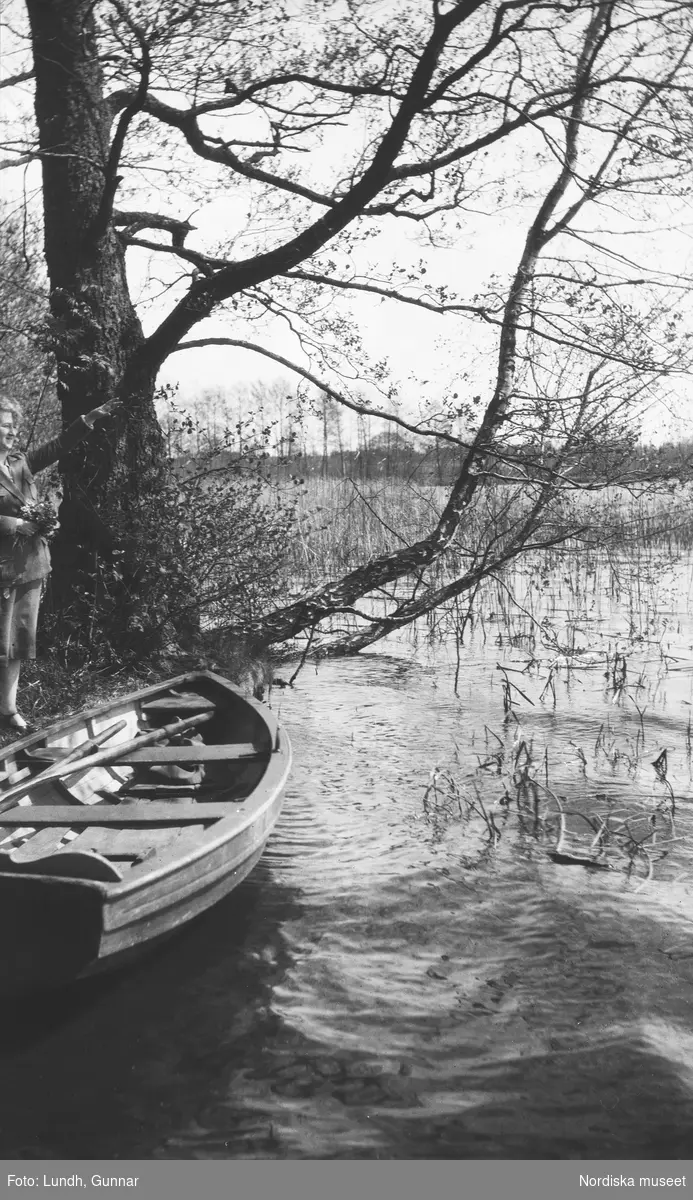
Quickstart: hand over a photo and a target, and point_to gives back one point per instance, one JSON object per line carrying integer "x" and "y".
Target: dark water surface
{"x": 385, "y": 985}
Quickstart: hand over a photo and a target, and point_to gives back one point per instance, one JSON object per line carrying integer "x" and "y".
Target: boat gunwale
{"x": 89, "y": 714}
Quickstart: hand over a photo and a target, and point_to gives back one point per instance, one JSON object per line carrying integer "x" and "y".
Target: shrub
{"x": 206, "y": 544}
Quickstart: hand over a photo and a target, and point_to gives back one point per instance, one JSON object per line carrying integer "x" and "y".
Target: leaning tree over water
{"x": 209, "y": 167}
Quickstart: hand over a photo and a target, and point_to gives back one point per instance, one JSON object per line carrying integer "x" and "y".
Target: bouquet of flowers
{"x": 42, "y": 515}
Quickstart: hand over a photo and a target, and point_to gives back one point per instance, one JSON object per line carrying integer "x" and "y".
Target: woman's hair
{"x": 7, "y": 405}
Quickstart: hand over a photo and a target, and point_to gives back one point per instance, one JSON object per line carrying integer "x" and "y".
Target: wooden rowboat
{"x": 119, "y": 825}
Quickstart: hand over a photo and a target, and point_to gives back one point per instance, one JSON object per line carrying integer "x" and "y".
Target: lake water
{"x": 389, "y": 983}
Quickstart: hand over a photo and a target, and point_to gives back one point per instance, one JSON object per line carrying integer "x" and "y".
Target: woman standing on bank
{"x": 24, "y": 556}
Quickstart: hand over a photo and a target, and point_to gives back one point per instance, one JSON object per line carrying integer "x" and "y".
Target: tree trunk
{"x": 95, "y": 331}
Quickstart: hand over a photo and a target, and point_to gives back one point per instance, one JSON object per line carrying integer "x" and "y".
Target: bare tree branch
{"x": 356, "y": 406}
{"x": 136, "y": 221}
{"x": 11, "y": 80}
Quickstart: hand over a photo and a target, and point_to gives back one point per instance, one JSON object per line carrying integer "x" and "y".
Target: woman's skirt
{"x": 19, "y": 606}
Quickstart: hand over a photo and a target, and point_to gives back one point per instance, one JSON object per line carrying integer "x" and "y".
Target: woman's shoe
{"x": 15, "y": 722}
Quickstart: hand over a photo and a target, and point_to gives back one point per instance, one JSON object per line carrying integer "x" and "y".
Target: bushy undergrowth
{"x": 206, "y": 544}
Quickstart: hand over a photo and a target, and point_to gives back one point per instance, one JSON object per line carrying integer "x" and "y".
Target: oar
{"x": 102, "y": 758}
{"x": 77, "y": 752}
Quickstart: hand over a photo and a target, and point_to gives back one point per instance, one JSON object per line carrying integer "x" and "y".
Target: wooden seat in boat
{"x": 138, "y": 813}
{"x": 65, "y": 864}
{"x": 151, "y": 755}
{"x": 178, "y": 705}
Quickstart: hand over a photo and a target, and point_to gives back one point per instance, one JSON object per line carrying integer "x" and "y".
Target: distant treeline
{"x": 383, "y": 458}
{"x": 439, "y": 464}
{"x": 264, "y": 421}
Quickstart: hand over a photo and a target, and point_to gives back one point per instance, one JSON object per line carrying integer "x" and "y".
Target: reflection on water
{"x": 384, "y": 986}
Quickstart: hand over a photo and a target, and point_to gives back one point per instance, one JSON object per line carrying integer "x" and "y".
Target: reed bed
{"x": 343, "y": 523}
{"x": 555, "y": 595}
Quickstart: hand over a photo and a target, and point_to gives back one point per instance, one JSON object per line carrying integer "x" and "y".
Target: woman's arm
{"x": 44, "y": 456}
